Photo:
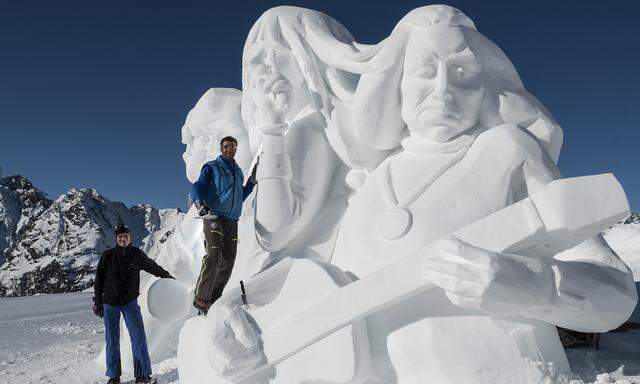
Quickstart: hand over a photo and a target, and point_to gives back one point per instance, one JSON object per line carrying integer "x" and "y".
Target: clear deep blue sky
{"x": 93, "y": 94}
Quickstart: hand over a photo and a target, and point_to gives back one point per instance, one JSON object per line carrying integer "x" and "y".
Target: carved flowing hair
{"x": 287, "y": 27}
{"x": 376, "y": 102}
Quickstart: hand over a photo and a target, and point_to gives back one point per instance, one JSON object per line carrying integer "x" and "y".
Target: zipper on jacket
{"x": 233, "y": 196}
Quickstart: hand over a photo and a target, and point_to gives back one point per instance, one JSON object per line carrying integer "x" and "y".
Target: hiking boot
{"x": 146, "y": 380}
{"x": 114, "y": 380}
{"x": 201, "y": 306}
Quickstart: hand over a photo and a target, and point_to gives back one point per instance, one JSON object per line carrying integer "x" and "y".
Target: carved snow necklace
{"x": 397, "y": 220}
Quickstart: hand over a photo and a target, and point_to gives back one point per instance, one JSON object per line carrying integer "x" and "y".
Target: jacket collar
{"x": 231, "y": 165}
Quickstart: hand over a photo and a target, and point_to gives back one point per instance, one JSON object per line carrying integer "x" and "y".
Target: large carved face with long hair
{"x": 435, "y": 76}
{"x": 273, "y": 64}
{"x": 277, "y": 58}
{"x": 442, "y": 86}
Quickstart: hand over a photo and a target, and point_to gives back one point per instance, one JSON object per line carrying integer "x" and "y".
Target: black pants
{"x": 221, "y": 244}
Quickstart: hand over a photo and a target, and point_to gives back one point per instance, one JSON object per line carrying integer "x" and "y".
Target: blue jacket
{"x": 220, "y": 188}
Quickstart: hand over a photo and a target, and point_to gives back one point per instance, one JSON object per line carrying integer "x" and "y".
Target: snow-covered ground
{"x": 56, "y": 338}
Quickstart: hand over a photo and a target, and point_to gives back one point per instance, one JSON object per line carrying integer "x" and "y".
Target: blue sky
{"x": 93, "y": 94}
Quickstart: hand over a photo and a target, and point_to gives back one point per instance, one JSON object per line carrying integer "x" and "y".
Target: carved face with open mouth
{"x": 274, "y": 72}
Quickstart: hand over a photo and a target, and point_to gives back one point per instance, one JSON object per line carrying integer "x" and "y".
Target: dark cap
{"x": 121, "y": 228}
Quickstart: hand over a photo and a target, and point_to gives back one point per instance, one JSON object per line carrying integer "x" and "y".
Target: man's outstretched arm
{"x": 153, "y": 268}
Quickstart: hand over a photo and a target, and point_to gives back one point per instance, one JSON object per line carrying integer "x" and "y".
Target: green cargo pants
{"x": 221, "y": 244}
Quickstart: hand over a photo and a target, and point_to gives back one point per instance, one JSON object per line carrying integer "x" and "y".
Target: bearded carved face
{"x": 196, "y": 154}
{"x": 442, "y": 86}
{"x": 216, "y": 115}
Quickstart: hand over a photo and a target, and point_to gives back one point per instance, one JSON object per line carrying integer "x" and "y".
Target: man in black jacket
{"x": 117, "y": 286}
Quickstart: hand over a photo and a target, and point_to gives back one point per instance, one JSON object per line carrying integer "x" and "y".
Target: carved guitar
{"x": 558, "y": 217}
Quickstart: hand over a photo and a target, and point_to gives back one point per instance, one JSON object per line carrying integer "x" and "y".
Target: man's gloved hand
{"x": 203, "y": 210}
{"x": 98, "y": 310}
{"x": 252, "y": 177}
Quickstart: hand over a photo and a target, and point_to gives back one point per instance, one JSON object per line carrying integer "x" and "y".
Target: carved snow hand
{"x": 495, "y": 283}
{"x": 272, "y": 97}
{"x": 236, "y": 345}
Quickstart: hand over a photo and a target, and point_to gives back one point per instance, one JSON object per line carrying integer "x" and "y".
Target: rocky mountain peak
{"x": 42, "y": 240}
{"x": 24, "y": 191}
{"x": 633, "y": 219}
{"x": 16, "y": 182}
{"x": 20, "y": 202}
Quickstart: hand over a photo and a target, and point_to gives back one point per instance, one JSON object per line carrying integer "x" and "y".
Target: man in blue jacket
{"x": 218, "y": 195}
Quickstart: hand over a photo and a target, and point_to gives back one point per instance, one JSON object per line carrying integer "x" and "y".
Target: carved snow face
{"x": 196, "y": 154}
{"x": 442, "y": 86}
{"x": 215, "y": 115}
{"x": 275, "y": 64}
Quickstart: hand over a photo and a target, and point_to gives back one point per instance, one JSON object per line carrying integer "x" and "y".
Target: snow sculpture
{"x": 317, "y": 194}
{"x": 460, "y": 248}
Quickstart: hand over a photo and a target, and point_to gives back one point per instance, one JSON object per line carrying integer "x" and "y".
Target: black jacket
{"x": 118, "y": 275}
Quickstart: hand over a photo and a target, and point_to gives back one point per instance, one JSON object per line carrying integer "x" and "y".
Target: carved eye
{"x": 260, "y": 71}
{"x": 459, "y": 72}
{"x": 428, "y": 71}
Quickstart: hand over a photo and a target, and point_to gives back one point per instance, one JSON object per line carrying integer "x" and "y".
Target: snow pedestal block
{"x": 485, "y": 350}
{"x": 338, "y": 358}
{"x": 193, "y": 354}
{"x": 429, "y": 340}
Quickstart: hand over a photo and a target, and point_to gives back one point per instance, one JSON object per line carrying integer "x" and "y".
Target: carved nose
{"x": 270, "y": 59}
{"x": 444, "y": 96}
{"x": 441, "y": 90}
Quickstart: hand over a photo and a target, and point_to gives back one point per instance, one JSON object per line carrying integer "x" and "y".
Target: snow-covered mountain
{"x": 624, "y": 238}
{"x": 51, "y": 246}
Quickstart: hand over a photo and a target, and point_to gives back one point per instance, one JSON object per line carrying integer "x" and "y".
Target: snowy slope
{"x": 54, "y": 246}
{"x": 625, "y": 240}
{"x": 55, "y": 339}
